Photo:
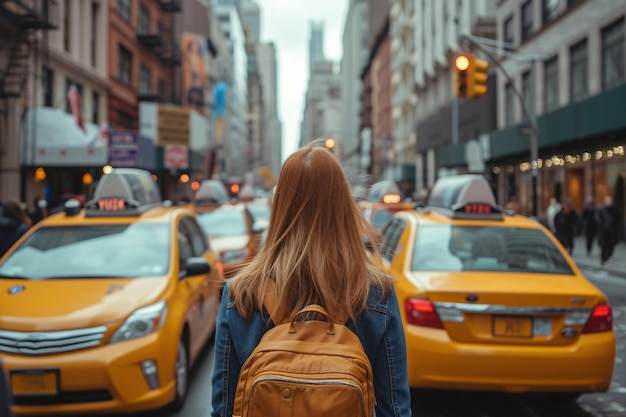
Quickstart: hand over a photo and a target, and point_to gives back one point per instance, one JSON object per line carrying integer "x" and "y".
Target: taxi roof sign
{"x": 125, "y": 189}
{"x": 211, "y": 193}
{"x": 456, "y": 190}
{"x": 380, "y": 191}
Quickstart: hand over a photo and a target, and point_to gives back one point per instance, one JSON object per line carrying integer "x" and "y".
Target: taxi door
{"x": 197, "y": 286}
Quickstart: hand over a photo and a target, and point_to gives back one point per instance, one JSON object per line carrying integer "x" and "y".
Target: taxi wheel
{"x": 181, "y": 376}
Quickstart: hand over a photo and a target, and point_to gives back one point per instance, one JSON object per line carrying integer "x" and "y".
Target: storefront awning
{"x": 51, "y": 137}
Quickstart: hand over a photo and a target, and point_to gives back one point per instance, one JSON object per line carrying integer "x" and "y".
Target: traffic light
{"x": 461, "y": 67}
{"x": 330, "y": 144}
{"x": 470, "y": 75}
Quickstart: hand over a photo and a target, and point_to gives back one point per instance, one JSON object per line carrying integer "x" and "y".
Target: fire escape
{"x": 23, "y": 18}
{"x": 170, "y": 54}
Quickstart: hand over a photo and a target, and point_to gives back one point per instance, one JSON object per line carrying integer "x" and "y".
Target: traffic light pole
{"x": 529, "y": 111}
{"x": 455, "y": 119}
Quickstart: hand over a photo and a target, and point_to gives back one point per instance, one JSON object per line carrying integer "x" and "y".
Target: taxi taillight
{"x": 601, "y": 320}
{"x": 422, "y": 312}
{"x": 220, "y": 268}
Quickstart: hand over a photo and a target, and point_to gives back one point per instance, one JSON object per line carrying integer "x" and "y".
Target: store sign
{"x": 176, "y": 157}
{"x": 173, "y": 125}
{"x": 123, "y": 149}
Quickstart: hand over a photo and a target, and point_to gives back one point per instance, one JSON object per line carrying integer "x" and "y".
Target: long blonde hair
{"x": 314, "y": 248}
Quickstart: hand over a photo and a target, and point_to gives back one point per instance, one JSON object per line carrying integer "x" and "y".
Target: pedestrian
{"x": 314, "y": 254}
{"x": 5, "y": 394}
{"x": 551, "y": 212}
{"x": 513, "y": 205}
{"x": 608, "y": 218}
{"x": 40, "y": 209}
{"x": 566, "y": 224}
{"x": 590, "y": 225}
{"x": 14, "y": 222}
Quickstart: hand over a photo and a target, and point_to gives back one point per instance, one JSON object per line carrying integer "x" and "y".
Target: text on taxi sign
{"x": 477, "y": 208}
{"x": 111, "y": 204}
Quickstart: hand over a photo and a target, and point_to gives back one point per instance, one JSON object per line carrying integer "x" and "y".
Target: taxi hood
{"x": 61, "y": 304}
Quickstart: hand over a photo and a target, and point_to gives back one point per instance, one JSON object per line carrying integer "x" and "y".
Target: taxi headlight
{"x": 234, "y": 255}
{"x": 143, "y": 321}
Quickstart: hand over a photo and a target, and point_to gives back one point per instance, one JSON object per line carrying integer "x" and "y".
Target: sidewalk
{"x": 614, "y": 266}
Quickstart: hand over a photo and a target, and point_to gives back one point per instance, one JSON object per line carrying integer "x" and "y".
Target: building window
{"x": 510, "y": 104}
{"x": 578, "y": 63}
{"x": 508, "y": 31}
{"x": 144, "y": 21}
{"x": 551, "y": 84}
{"x": 125, "y": 60}
{"x": 527, "y": 20}
{"x": 123, "y": 8}
{"x": 95, "y": 8}
{"x": 613, "y": 55}
{"x": 47, "y": 83}
{"x": 68, "y": 83}
{"x": 66, "y": 25}
{"x": 528, "y": 92}
{"x": 549, "y": 10}
{"x": 145, "y": 81}
{"x": 95, "y": 109}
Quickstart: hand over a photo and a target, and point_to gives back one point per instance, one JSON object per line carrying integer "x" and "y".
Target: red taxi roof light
{"x": 601, "y": 320}
{"x": 422, "y": 312}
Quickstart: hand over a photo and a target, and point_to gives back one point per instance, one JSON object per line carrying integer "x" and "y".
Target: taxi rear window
{"x": 382, "y": 216}
{"x": 95, "y": 251}
{"x": 220, "y": 223}
{"x": 480, "y": 248}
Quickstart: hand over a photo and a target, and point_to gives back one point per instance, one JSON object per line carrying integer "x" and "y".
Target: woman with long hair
{"x": 314, "y": 254}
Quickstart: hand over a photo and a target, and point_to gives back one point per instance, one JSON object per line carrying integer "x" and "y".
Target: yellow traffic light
{"x": 477, "y": 78}
{"x": 330, "y": 143}
{"x": 470, "y": 76}
{"x": 461, "y": 65}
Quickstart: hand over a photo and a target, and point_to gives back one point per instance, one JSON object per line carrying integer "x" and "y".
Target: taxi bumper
{"x": 436, "y": 361}
{"x": 108, "y": 378}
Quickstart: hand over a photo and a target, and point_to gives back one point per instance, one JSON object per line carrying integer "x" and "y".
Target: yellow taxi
{"x": 491, "y": 301}
{"x": 106, "y": 308}
{"x": 383, "y": 200}
{"x": 233, "y": 233}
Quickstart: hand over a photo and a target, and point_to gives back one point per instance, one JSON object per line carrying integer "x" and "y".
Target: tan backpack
{"x": 304, "y": 369}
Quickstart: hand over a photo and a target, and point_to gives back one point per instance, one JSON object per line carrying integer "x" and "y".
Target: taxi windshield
{"x": 95, "y": 251}
{"x": 479, "y": 248}
{"x": 220, "y": 223}
{"x": 382, "y": 216}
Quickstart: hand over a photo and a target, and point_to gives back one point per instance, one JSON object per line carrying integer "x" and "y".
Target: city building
{"x": 56, "y": 86}
{"x": 271, "y": 146}
{"x": 376, "y": 123}
{"x": 237, "y": 89}
{"x": 427, "y": 116}
{"x": 355, "y": 53}
{"x": 567, "y": 60}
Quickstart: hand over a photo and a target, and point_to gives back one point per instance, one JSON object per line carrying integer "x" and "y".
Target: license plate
{"x": 512, "y": 326}
{"x": 34, "y": 382}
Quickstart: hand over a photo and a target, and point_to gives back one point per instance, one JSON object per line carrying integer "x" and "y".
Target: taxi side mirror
{"x": 197, "y": 266}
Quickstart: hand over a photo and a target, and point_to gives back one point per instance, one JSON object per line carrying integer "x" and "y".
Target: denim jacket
{"x": 379, "y": 328}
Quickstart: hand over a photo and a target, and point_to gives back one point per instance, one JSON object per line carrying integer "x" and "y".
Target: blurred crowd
{"x": 16, "y": 218}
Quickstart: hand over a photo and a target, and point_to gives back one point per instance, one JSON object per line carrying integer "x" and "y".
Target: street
{"x": 432, "y": 403}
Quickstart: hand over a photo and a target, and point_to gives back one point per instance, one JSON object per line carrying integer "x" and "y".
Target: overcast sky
{"x": 286, "y": 23}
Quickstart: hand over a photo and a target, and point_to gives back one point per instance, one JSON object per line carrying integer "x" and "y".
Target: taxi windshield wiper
{"x": 5, "y": 276}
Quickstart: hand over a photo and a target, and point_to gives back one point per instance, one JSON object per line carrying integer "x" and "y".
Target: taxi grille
{"x": 43, "y": 343}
